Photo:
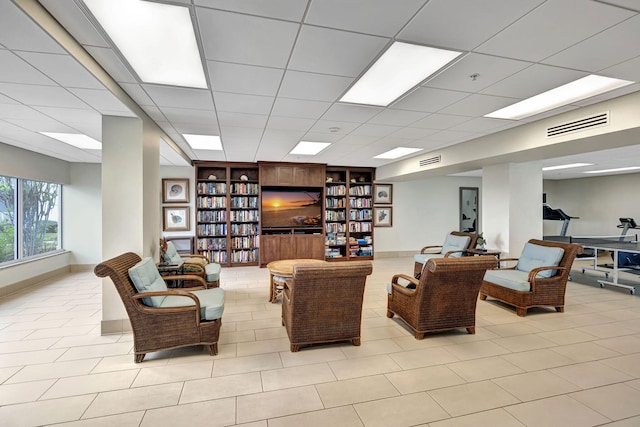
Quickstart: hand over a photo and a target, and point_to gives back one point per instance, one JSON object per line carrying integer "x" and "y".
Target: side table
{"x": 476, "y": 251}
{"x": 166, "y": 269}
{"x": 281, "y": 271}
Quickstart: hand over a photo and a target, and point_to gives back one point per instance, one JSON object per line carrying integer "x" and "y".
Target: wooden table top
{"x": 285, "y": 267}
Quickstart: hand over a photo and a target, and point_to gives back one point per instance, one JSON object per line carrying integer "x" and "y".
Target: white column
{"x": 512, "y": 205}
{"x": 130, "y": 200}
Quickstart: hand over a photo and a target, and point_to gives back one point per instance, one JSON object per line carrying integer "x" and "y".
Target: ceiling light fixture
{"x": 398, "y": 70}
{"x": 574, "y": 91}
{"x": 309, "y": 148}
{"x": 631, "y": 168}
{"x": 397, "y": 152}
{"x": 203, "y": 142}
{"x": 76, "y": 139}
{"x": 567, "y": 166}
{"x": 158, "y": 40}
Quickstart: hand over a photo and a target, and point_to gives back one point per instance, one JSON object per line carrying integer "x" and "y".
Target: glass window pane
{"x": 40, "y": 217}
{"x": 8, "y": 215}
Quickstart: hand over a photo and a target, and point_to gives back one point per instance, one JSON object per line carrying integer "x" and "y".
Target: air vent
{"x": 601, "y": 119}
{"x": 430, "y": 161}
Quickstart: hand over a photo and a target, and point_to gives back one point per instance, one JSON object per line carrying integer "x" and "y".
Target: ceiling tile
{"x": 179, "y": 97}
{"x": 185, "y": 115}
{"x": 477, "y": 105}
{"x": 629, "y": 70}
{"x": 19, "y": 32}
{"x": 246, "y": 79}
{"x": 258, "y": 121}
{"x": 544, "y": 31}
{"x": 138, "y": 94}
{"x": 111, "y": 62}
{"x": 70, "y": 16}
{"x": 613, "y": 46}
{"x": 10, "y": 111}
{"x": 15, "y": 69}
{"x": 73, "y": 115}
{"x": 335, "y": 127}
{"x": 44, "y": 124}
{"x": 414, "y": 133}
{"x": 397, "y": 117}
{"x": 339, "y": 53}
{"x": 299, "y": 108}
{"x": 481, "y": 124}
{"x": 440, "y": 121}
{"x": 102, "y": 100}
{"x": 37, "y": 95}
{"x": 63, "y": 69}
{"x": 237, "y": 103}
{"x": 351, "y": 112}
{"x": 369, "y": 129}
{"x": 380, "y": 17}
{"x": 312, "y": 86}
{"x": 463, "y": 24}
{"x": 533, "y": 80}
{"x": 428, "y": 99}
{"x": 199, "y": 128}
{"x": 292, "y": 10}
{"x": 250, "y": 43}
{"x": 290, "y": 123}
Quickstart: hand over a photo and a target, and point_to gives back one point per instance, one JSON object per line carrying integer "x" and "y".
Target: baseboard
{"x": 33, "y": 281}
{"x": 81, "y": 268}
{"x": 396, "y": 254}
{"x": 119, "y": 326}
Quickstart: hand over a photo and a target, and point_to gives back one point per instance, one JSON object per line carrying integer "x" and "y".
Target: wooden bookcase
{"x": 228, "y": 212}
{"x": 349, "y": 213}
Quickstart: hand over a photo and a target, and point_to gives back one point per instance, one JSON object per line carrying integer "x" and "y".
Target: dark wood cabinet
{"x": 275, "y": 247}
{"x": 291, "y": 175}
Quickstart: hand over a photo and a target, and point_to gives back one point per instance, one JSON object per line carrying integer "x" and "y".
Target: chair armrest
{"x": 193, "y": 256}
{"x": 501, "y": 260}
{"x": 395, "y": 287}
{"x": 533, "y": 273}
{"x": 186, "y": 277}
{"x": 170, "y": 292}
{"x": 422, "y": 251}
{"x": 463, "y": 251}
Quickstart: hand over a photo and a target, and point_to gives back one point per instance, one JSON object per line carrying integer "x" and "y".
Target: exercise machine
{"x": 557, "y": 215}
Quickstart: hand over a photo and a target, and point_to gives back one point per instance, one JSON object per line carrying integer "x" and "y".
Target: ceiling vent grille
{"x": 430, "y": 161}
{"x": 601, "y": 119}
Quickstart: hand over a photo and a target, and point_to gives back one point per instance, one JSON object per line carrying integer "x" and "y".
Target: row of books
{"x": 356, "y": 251}
{"x": 356, "y": 227}
{"x": 336, "y": 190}
{"x": 245, "y": 216}
{"x": 212, "y": 229}
{"x": 211, "y": 216}
{"x": 209, "y": 243}
{"x": 335, "y": 227}
{"x": 244, "y": 229}
{"x": 336, "y": 239}
{"x": 333, "y": 252}
{"x": 216, "y": 256}
{"x": 244, "y": 188}
{"x": 360, "y": 190}
{"x": 211, "y": 202}
{"x": 335, "y": 203}
{"x": 335, "y": 215}
{"x": 360, "y": 215}
{"x": 239, "y": 256}
{"x": 211, "y": 188}
{"x": 242, "y": 242}
{"x": 244, "y": 202}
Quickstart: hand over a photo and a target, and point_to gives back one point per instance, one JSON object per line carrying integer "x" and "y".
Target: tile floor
{"x": 578, "y": 368}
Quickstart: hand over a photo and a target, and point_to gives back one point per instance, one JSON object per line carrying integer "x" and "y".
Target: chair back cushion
{"x": 171, "y": 255}
{"x": 455, "y": 243}
{"x": 534, "y": 256}
{"x": 146, "y": 278}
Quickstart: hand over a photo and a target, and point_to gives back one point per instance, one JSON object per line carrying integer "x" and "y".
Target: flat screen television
{"x": 291, "y": 208}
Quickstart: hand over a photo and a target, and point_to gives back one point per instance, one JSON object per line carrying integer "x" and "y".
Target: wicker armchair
{"x": 444, "y": 297}
{"x": 154, "y": 328}
{"x": 437, "y": 250}
{"x": 542, "y": 291}
{"x": 323, "y": 303}
{"x": 193, "y": 264}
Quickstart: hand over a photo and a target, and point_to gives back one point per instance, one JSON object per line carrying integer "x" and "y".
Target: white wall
{"x": 181, "y": 172}
{"x": 424, "y": 212}
{"x": 598, "y": 201}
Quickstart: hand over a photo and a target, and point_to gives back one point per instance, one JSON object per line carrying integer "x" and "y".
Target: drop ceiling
{"x": 276, "y": 70}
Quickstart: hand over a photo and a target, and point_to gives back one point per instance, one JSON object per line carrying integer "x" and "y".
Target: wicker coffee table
{"x": 281, "y": 271}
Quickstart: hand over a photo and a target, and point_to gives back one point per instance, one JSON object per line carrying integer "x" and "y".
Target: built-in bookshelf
{"x": 349, "y": 213}
{"x": 227, "y": 212}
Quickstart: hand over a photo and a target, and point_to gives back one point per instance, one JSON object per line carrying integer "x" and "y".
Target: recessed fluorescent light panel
{"x": 397, "y": 152}
{"x": 577, "y": 90}
{"x": 203, "y": 142}
{"x": 76, "y": 139}
{"x": 309, "y": 148}
{"x": 567, "y": 166}
{"x": 158, "y": 40}
{"x": 631, "y": 168}
{"x": 399, "y": 69}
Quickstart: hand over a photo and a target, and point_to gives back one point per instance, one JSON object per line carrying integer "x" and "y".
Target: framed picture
{"x": 382, "y": 194}
{"x": 175, "y": 218}
{"x": 175, "y": 190}
{"x": 382, "y": 216}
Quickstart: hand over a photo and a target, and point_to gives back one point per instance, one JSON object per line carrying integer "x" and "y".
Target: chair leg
{"x": 483, "y": 297}
{"x": 419, "y": 335}
{"x": 213, "y": 349}
{"x": 521, "y": 311}
{"x": 294, "y": 348}
{"x": 139, "y": 357}
{"x": 560, "y": 309}
{"x": 355, "y": 341}
{"x": 471, "y": 330}
{"x": 390, "y": 314}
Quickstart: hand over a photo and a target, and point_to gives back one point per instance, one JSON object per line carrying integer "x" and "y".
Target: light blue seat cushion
{"x": 211, "y": 302}
{"x": 146, "y": 278}
{"x": 171, "y": 255}
{"x": 423, "y": 258}
{"x": 451, "y": 243}
{"x": 534, "y": 256}
{"x": 512, "y": 279}
{"x": 213, "y": 272}
{"x": 401, "y": 282}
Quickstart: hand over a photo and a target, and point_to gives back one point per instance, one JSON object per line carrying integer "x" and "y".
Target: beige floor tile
{"x": 45, "y": 412}
{"x": 312, "y": 356}
{"x": 27, "y": 345}
{"x": 30, "y": 357}
{"x": 84, "y": 340}
{"x": 484, "y": 369}
{"x": 270, "y": 333}
{"x": 616, "y": 402}
{"x": 102, "y": 350}
{"x": 279, "y": 403}
{"x": 213, "y": 413}
{"x": 371, "y": 334}
{"x": 246, "y": 364}
{"x": 64, "y": 331}
{"x": 584, "y": 352}
{"x": 591, "y": 374}
{"x": 135, "y": 399}
{"x": 345, "y": 416}
{"x": 473, "y": 397}
{"x": 556, "y": 411}
{"x": 269, "y": 322}
{"x": 476, "y": 350}
{"x": 492, "y": 418}
{"x": 566, "y": 336}
{"x": 347, "y": 392}
{"x": 261, "y": 347}
{"x": 606, "y": 330}
{"x": 422, "y": 358}
{"x": 535, "y": 385}
{"x": 371, "y": 348}
{"x": 131, "y": 419}
{"x": 372, "y": 365}
{"x": 236, "y": 337}
{"x": 126, "y": 362}
{"x": 94, "y": 383}
{"x": 400, "y": 411}
{"x": 422, "y": 379}
{"x": 221, "y": 387}
{"x": 53, "y": 370}
{"x": 410, "y": 343}
{"x": 520, "y": 343}
{"x": 554, "y": 324}
{"x": 513, "y": 329}
{"x": 623, "y": 345}
{"x": 296, "y": 376}
{"x": 627, "y": 364}
{"x": 23, "y": 392}
{"x": 536, "y": 360}
{"x": 629, "y": 422}
{"x": 173, "y": 373}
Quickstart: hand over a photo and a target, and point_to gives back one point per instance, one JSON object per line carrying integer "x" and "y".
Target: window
{"x": 29, "y": 218}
